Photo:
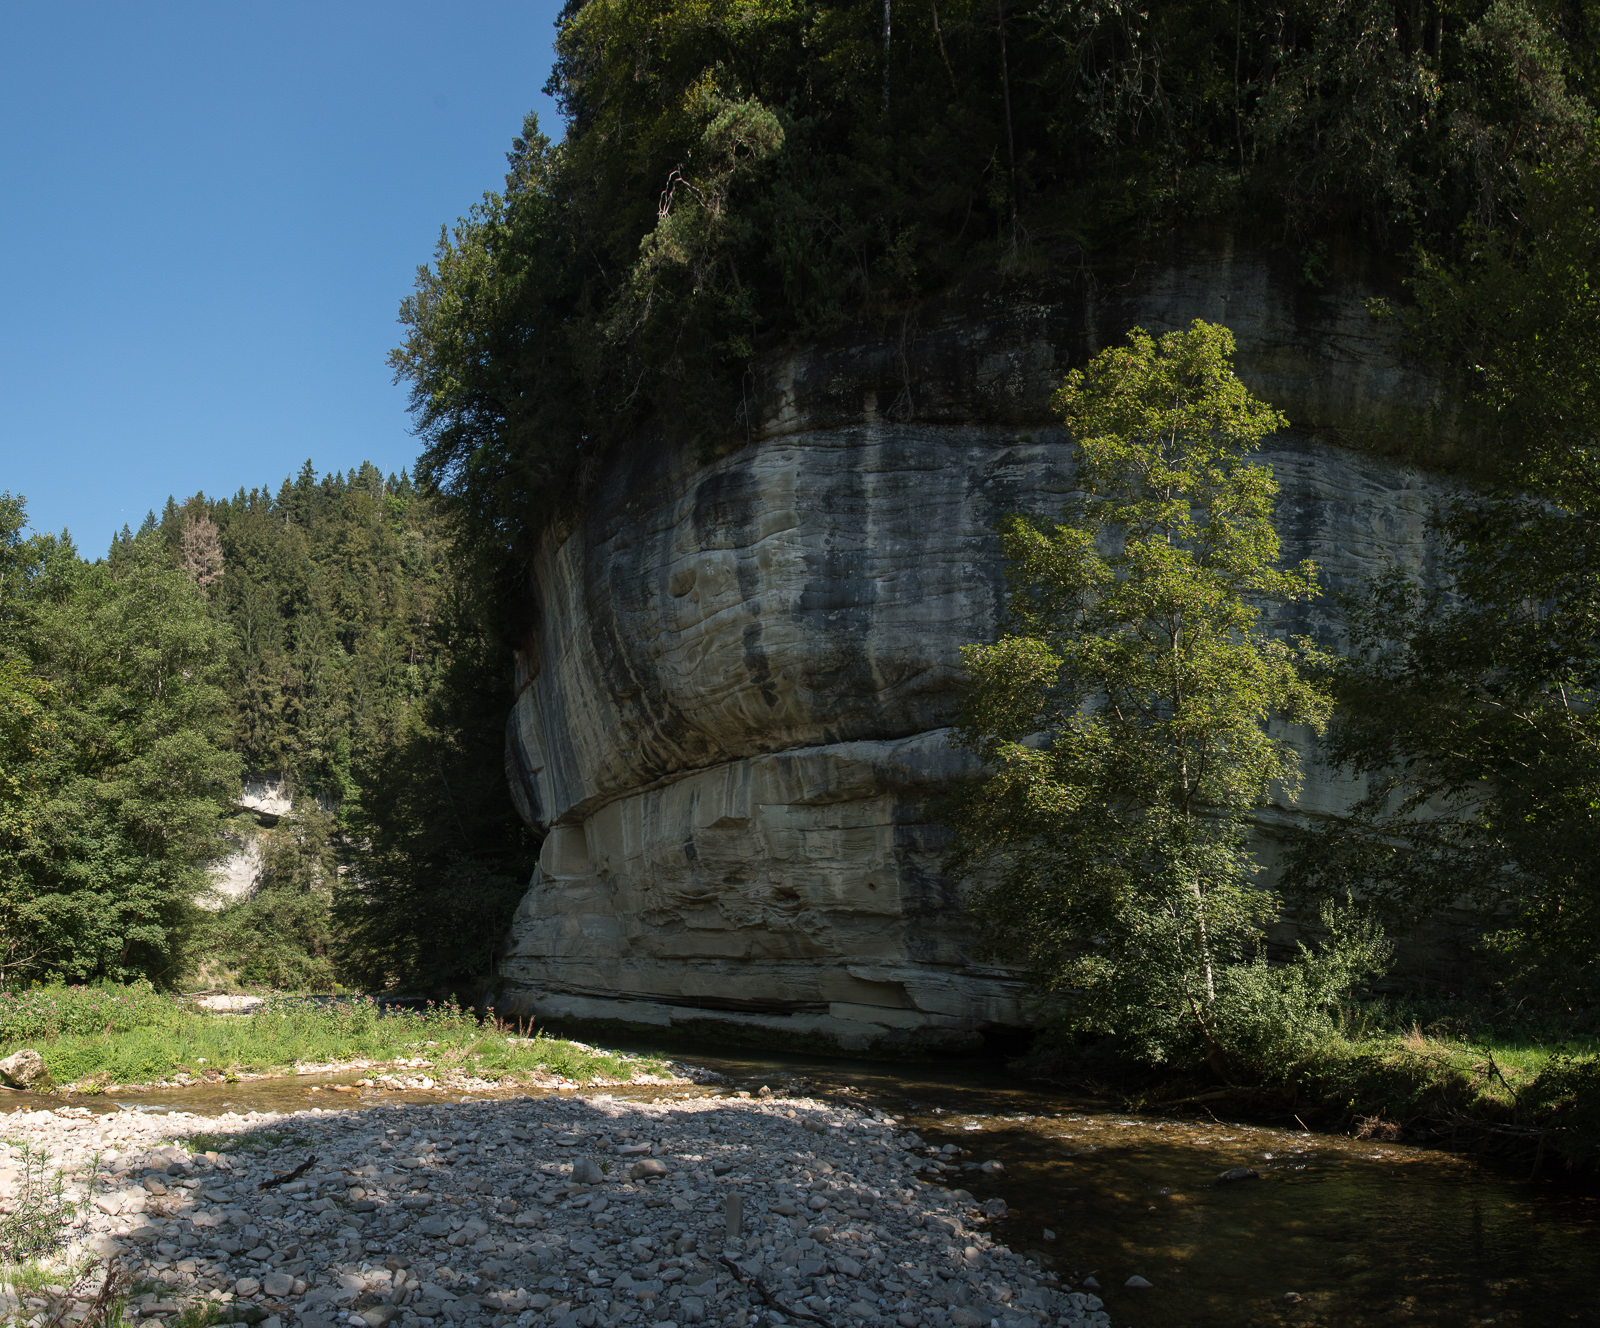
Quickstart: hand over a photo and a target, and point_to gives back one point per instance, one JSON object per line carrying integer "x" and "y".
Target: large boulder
{"x": 24, "y": 1069}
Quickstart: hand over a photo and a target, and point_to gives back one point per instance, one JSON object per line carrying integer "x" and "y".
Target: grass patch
{"x": 156, "y": 1037}
{"x": 258, "y": 1141}
{"x": 1504, "y": 1095}
{"x": 1467, "y": 1081}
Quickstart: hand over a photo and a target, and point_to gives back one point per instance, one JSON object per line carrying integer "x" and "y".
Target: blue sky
{"x": 209, "y": 214}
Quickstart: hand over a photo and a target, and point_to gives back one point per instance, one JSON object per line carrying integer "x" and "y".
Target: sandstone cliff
{"x": 735, "y": 701}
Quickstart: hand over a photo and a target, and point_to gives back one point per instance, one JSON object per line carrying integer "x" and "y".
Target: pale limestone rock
{"x": 266, "y": 796}
{"x": 735, "y": 705}
{"x": 24, "y": 1069}
{"x": 235, "y": 876}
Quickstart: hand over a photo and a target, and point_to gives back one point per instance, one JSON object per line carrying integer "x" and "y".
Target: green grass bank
{"x": 94, "y": 1037}
{"x": 1533, "y": 1101}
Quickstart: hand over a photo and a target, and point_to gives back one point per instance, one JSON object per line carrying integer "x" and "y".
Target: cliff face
{"x": 735, "y": 704}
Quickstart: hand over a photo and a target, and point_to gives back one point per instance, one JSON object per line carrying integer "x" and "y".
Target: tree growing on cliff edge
{"x": 1123, "y": 716}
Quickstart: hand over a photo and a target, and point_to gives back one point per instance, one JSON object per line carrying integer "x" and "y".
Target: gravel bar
{"x": 573, "y": 1211}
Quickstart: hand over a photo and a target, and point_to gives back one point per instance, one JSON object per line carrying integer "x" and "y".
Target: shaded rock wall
{"x": 734, "y": 709}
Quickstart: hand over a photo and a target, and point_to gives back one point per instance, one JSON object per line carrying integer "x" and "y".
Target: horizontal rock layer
{"x": 736, "y": 703}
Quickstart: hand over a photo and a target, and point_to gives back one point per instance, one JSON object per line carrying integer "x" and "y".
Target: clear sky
{"x": 209, "y": 214}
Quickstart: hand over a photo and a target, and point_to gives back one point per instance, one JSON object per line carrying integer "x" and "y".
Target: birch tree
{"x": 1124, "y": 717}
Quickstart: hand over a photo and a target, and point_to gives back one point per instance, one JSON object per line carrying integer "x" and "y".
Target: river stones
{"x": 835, "y": 1203}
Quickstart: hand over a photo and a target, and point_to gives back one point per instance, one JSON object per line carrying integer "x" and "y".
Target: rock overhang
{"x": 734, "y": 723}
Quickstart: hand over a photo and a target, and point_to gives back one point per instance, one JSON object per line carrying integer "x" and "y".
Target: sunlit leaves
{"x": 1123, "y": 714}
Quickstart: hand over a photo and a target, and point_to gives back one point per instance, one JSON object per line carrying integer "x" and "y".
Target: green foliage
{"x": 281, "y": 934}
{"x": 39, "y": 1214}
{"x": 167, "y": 1037}
{"x": 738, "y": 175}
{"x": 116, "y": 760}
{"x": 25, "y": 729}
{"x": 444, "y": 858}
{"x": 361, "y": 675}
{"x": 41, "y": 1014}
{"x": 330, "y": 588}
{"x": 1123, "y": 714}
{"x": 1470, "y": 707}
{"x": 278, "y": 937}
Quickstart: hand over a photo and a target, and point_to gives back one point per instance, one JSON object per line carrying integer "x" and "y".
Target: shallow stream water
{"x": 1364, "y": 1234}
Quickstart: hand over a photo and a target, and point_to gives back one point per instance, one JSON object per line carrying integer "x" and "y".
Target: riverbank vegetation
{"x": 1130, "y": 714}
{"x": 92, "y": 1038}
{"x": 1523, "y": 1097}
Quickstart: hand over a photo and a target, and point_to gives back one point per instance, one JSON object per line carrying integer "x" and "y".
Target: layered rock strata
{"x": 736, "y": 705}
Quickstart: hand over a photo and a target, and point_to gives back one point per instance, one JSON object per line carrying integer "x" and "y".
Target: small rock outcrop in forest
{"x": 737, "y": 693}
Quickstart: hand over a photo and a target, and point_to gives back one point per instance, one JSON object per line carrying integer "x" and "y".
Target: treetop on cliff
{"x": 740, "y": 174}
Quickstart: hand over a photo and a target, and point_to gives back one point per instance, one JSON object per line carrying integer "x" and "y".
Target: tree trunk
{"x": 886, "y": 34}
{"x": 1011, "y": 144}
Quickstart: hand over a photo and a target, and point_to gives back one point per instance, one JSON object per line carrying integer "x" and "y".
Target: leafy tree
{"x": 1470, "y": 706}
{"x": 1124, "y": 716}
{"x": 738, "y": 176}
{"x": 25, "y": 731}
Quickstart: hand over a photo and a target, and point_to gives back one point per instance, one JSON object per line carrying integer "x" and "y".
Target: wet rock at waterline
{"x": 24, "y": 1069}
{"x": 737, "y": 689}
{"x": 472, "y": 1217}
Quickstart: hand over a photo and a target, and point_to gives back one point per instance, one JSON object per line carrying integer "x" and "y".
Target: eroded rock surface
{"x": 737, "y": 699}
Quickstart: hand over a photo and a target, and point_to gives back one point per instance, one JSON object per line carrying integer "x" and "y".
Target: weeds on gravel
{"x": 36, "y": 1219}
{"x": 34, "y": 1226}
{"x": 157, "y": 1037}
{"x": 46, "y": 1296}
{"x": 203, "y": 1314}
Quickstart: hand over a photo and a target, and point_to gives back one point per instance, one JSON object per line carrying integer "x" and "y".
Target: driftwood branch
{"x": 770, "y": 1296}
{"x": 288, "y": 1176}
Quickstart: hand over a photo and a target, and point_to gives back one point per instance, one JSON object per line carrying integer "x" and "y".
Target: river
{"x": 1335, "y": 1233}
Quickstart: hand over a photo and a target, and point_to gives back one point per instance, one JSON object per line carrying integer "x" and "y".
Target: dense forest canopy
{"x": 320, "y": 638}
{"x": 741, "y": 173}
